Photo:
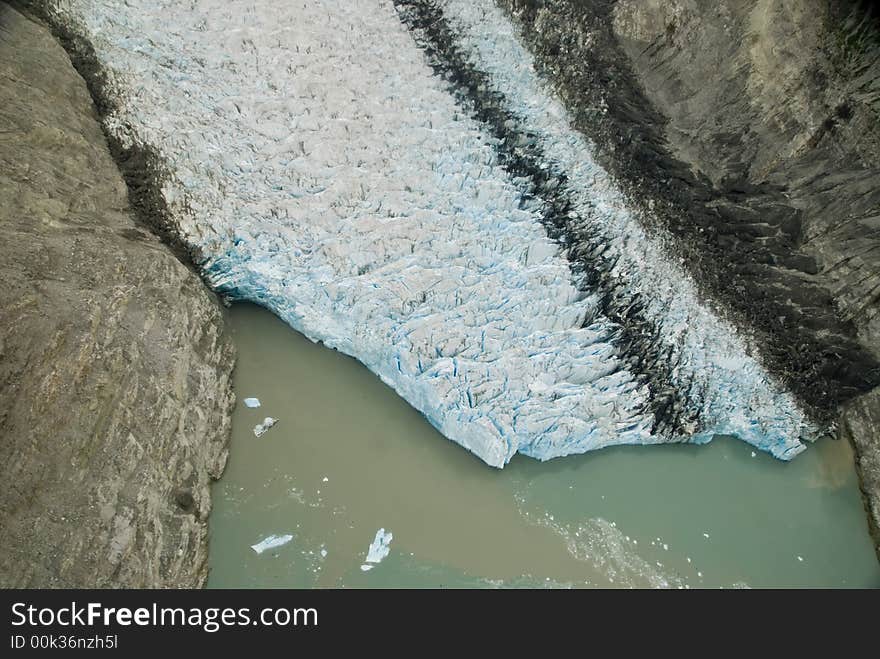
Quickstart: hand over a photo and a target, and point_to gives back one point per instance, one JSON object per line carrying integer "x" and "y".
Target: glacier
{"x": 324, "y": 170}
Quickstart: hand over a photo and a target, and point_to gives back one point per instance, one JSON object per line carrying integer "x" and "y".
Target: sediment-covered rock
{"x": 786, "y": 95}
{"x": 114, "y": 367}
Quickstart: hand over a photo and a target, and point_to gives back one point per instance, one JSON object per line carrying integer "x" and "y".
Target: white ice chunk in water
{"x": 261, "y": 428}
{"x": 380, "y": 546}
{"x": 252, "y": 402}
{"x": 271, "y": 542}
{"x": 379, "y": 549}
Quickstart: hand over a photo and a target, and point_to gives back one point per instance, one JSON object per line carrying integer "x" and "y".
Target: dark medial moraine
{"x": 750, "y": 236}
{"x": 636, "y": 340}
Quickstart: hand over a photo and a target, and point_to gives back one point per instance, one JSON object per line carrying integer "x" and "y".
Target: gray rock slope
{"x": 792, "y": 102}
{"x": 115, "y": 393}
{"x": 860, "y": 425}
{"x": 752, "y": 129}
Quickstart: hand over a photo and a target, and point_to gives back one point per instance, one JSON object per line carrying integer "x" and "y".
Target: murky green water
{"x": 349, "y": 457}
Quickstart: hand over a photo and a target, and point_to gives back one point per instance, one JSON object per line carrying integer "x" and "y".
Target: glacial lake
{"x": 348, "y": 457}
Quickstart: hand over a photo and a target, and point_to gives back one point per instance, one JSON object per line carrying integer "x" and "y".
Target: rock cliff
{"x": 860, "y": 425}
{"x": 114, "y": 366}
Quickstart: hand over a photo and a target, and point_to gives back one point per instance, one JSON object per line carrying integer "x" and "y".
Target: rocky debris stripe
{"x": 747, "y": 237}
{"x": 636, "y": 339}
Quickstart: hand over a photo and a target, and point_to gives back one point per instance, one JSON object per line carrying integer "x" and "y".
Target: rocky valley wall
{"x": 115, "y": 368}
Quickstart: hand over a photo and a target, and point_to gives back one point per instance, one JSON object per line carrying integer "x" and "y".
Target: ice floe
{"x": 261, "y": 428}
{"x": 378, "y": 550}
{"x": 271, "y": 542}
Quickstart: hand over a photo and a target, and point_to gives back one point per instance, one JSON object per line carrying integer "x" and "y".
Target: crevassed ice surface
{"x": 327, "y": 174}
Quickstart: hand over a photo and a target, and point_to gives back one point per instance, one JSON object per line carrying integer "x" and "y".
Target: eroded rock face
{"x": 114, "y": 367}
{"x": 860, "y": 425}
{"x": 778, "y": 93}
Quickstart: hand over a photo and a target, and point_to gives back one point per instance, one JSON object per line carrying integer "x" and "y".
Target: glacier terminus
{"x": 395, "y": 180}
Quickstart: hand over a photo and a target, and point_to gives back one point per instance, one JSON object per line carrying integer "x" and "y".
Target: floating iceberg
{"x": 261, "y": 428}
{"x": 323, "y": 171}
{"x": 271, "y": 542}
{"x": 252, "y": 402}
{"x": 379, "y": 549}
